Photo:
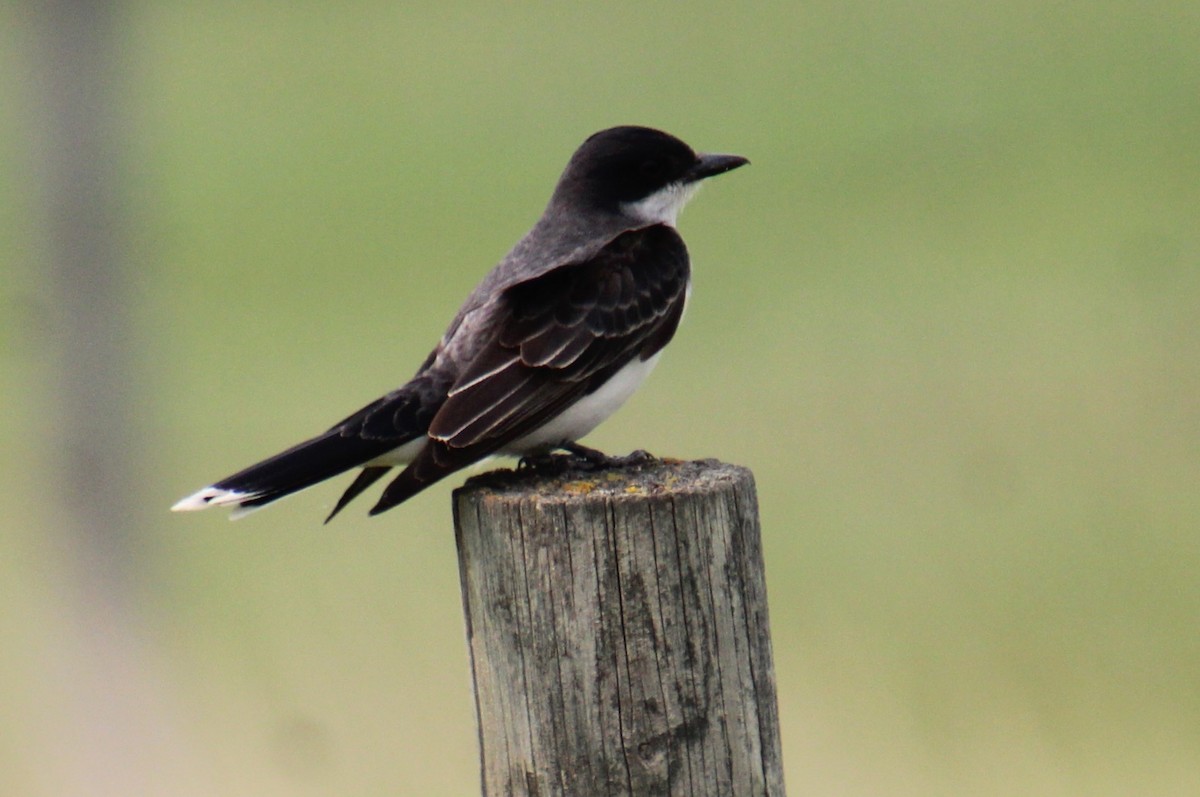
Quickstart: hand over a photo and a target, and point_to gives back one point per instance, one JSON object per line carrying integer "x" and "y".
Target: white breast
{"x": 586, "y": 414}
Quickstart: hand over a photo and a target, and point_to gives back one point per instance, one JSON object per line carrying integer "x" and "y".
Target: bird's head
{"x": 638, "y": 171}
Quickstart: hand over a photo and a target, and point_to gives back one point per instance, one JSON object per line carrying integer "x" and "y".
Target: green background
{"x": 948, "y": 317}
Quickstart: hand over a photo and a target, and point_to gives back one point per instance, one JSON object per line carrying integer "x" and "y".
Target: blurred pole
{"x": 79, "y": 166}
{"x": 109, "y": 732}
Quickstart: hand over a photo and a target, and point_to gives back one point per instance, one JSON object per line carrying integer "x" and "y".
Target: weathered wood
{"x": 617, "y": 624}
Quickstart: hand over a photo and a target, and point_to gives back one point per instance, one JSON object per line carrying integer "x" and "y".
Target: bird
{"x": 554, "y": 339}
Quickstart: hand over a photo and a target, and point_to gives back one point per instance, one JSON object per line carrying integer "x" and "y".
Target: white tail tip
{"x": 210, "y": 496}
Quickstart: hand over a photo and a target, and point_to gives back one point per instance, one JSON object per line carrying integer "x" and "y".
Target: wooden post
{"x": 617, "y": 623}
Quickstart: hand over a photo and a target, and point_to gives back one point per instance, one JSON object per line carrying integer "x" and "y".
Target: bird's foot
{"x": 594, "y": 459}
{"x": 580, "y": 458}
{"x": 544, "y": 462}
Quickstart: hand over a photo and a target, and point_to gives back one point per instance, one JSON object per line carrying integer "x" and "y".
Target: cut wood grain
{"x": 617, "y": 624}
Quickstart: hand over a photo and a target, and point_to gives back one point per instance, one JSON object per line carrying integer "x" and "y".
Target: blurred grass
{"x": 948, "y": 317}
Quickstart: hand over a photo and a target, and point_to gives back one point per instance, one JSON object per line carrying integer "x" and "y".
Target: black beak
{"x": 711, "y": 164}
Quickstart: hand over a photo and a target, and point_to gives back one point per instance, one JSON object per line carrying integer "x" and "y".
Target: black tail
{"x": 366, "y": 477}
{"x": 388, "y": 423}
{"x": 432, "y": 463}
{"x": 302, "y": 466}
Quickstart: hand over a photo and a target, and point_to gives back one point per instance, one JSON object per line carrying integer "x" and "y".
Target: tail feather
{"x": 288, "y": 472}
{"x": 431, "y": 464}
{"x": 366, "y": 477}
{"x": 402, "y": 488}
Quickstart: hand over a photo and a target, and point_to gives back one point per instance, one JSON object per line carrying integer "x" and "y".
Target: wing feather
{"x": 557, "y": 337}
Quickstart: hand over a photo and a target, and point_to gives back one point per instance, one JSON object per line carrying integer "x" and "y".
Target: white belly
{"x": 586, "y": 414}
{"x": 580, "y": 418}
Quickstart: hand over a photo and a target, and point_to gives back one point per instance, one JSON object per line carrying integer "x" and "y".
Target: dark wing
{"x": 557, "y": 337}
{"x": 403, "y": 414}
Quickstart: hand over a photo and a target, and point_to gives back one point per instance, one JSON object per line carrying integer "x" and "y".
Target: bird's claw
{"x": 580, "y": 458}
{"x": 593, "y": 459}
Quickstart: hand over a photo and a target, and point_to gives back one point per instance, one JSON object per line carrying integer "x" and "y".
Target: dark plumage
{"x": 565, "y": 326}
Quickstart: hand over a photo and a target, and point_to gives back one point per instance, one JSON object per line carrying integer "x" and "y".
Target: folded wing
{"x": 555, "y": 339}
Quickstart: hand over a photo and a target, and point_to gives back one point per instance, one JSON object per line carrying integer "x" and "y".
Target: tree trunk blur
{"x": 108, "y": 731}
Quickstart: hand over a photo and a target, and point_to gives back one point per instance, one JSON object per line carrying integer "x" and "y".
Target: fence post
{"x": 617, "y": 624}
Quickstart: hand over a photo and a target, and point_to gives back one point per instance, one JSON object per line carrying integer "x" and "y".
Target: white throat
{"x": 663, "y": 206}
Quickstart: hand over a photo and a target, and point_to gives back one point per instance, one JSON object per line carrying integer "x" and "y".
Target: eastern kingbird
{"x": 556, "y": 337}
